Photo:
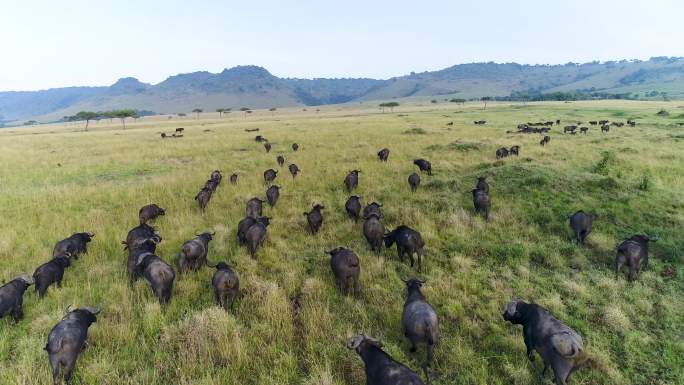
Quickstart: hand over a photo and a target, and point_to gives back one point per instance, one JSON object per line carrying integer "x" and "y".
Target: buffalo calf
{"x": 226, "y": 285}
{"x": 581, "y": 224}
{"x": 315, "y": 218}
{"x": 633, "y": 252}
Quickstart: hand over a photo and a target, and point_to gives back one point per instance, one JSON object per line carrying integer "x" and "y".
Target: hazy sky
{"x": 48, "y": 43}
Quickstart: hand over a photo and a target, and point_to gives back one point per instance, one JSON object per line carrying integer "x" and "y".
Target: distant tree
{"x": 182, "y": 114}
{"x": 197, "y": 111}
{"x": 433, "y": 101}
{"x": 389, "y": 105}
{"x": 485, "y": 99}
{"x": 87, "y": 116}
{"x": 457, "y": 100}
{"x": 220, "y": 111}
{"x": 272, "y": 109}
{"x": 123, "y": 114}
{"x": 246, "y": 110}
{"x": 30, "y": 123}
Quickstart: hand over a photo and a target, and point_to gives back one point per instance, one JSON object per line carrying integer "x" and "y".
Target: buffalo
{"x": 558, "y": 345}
{"x": 581, "y": 224}
{"x": 233, "y": 179}
{"x": 193, "y": 254}
{"x": 545, "y": 140}
{"x": 515, "y": 150}
{"x": 50, "y": 272}
{"x": 353, "y": 207}
{"x": 203, "y": 197}
{"x": 254, "y": 207}
{"x": 633, "y": 252}
{"x": 12, "y": 297}
{"x": 419, "y": 320}
{"x": 605, "y": 128}
{"x": 67, "y": 340}
{"x": 374, "y": 231}
{"x": 345, "y": 266}
{"x": 408, "y": 242}
{"x": 315, "y": 218}
{"x": 260, "y": 139}
{"x": 272, "y": 195}
{"x": 141, "y": 239}
{"x": 246, "y": 223}
{"x": 381, "y": 368}
{"x": 75, "y": 245}
{"x": 584, "y": 130}
{"x": 216, "y": 176}
{"x": 352, "y": 180}
{"x": 267, "y": 146}
{"x": 270, "y": 175}
{"x": 373, "y": 207}
{"x": 482, "y": 184}
{"x": 383, "y": 154}
{"x": 294, "y": 170}
{"x": 280, "y": 160}
{"x": 150, "y": 212}
{"x": 295, "y": 147}
{"x": 502, "y": 153}
{"x": 226, "y": 285}
{"x": 481, "y": 202}
{"x": 254, "y": 236}
{"x": 423, "y": 165}
{"x": 414, "y": 181}
{"x": 159, "y": 275}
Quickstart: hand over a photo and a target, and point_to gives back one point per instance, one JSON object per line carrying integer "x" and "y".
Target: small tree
{"x": 272, "y": 109}
{"x": 246, "y": 110}
{"x": 220, "y": 111}
{"x": 182, "y": 114}
{"x": 123, "y": 114}
{"x": 87, "y": 116}
{"x": 197, "y": 111}
{"x": 389, "y": 105}
{"x": 485, "y": 99}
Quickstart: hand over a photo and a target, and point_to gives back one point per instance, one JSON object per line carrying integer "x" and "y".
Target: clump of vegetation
{"x": 645, "y": 182}
{"x": 663, "y": 112}
{"x": 415, "y": 131}
{"x": 603, "y": 166}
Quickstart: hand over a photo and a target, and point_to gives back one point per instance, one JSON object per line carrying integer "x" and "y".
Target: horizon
{"x": 80, "y": 44}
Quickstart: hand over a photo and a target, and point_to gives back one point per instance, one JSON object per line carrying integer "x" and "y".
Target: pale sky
{"x": 49, "y": 43}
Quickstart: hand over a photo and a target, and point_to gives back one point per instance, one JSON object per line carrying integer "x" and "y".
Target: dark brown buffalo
{"x": 193, "y": 254}
{"x": 150, "y": 212}
{"x": 158, "y": 274}
{"x": 346, "y": 267}
{"x": 233, "y": 179}
{"x": 373, "y": 207}
{"x": 280, "y": 160}
{"x": 515, "y": 150}
{"x": 414, "y": 181}
{"x": 295, "y": 147}
{"x": 75, "y": 245}
{"x": 254, "y": 207}
{"x": 374, "y": 231}
{"x": 272, "y": 195}
{"x": 294, "y": 170}
{"x": 67, "y": 340}
{"x": 419, "y": 321}
{"x": 383, "y": 154}
{"x": 558, "y": 345}
{"x": 581, "y": 224}
{"x": 605, "y": 128}
{"x": 254, "y": 237}
{"x": 352, "y": 180}
{"x": 381, "y": 368}
{"x": 226, "y": 285}
{"x": 353, "y": 207}
{"x": 12, "y": 297}
{"x": 270, "y": 175}
{"x": 482, "y": 184}
{"x": 267, "y": 146}
{"x": 246, "y": 223}
{"x": 216, "y": 176}
{"x": 633, "y": 252}
{"x": 502, "y": 153}
{"x": 203, "y": 197}
{"x": 423, "y": 165}
{"x": 315, "y": 218}
{"x": 49, "y": 273}
{"x": 584, "y": 130}
{"x": 481, "y": 202}
{"x": 408, "y": 242}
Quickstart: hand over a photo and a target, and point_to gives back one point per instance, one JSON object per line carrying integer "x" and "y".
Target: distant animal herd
{"x": 560, "y": 347}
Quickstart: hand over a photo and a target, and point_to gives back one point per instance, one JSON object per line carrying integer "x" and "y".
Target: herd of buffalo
{"x": 560, "y": 347}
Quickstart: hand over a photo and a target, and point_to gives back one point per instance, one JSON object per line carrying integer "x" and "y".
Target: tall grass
{"x": 290, "y": 325}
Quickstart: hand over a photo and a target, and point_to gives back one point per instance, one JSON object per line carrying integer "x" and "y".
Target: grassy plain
{"x": 291, "y": 323}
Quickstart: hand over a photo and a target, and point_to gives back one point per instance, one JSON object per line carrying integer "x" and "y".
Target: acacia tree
{"x": 87, "y": 116}
{"x": 197, "y": 111}
{"x": 389, "y": 105}
{"x": 485, "y": 99}
{"x": 220, "y": 111}
{"x": 123, "y": 114}
{"x": 272, "y": 109}
{"x": 246, "y": 110}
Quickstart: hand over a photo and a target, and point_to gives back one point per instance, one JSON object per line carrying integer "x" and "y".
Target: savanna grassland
{"x": 291, "y": 324}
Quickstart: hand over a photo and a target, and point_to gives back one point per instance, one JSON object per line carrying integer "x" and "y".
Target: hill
{"x": 255, "y": 87}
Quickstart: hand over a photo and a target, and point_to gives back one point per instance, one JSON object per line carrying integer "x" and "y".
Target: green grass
{"x": 291, "y": 323}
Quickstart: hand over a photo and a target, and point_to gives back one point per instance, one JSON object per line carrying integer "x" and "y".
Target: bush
{"x": 663, "y": 113}
{"x": 603, "y": 166}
